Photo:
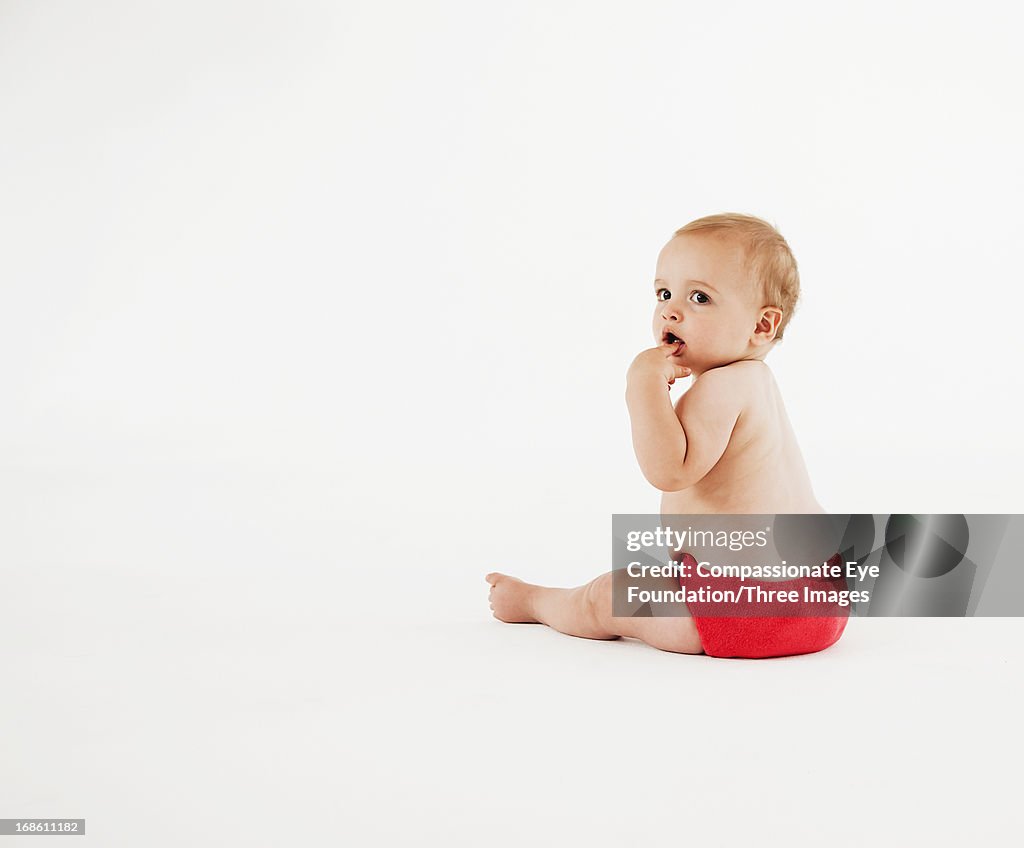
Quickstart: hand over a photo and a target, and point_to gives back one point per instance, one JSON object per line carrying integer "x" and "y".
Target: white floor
{"x": 225, "y": 684}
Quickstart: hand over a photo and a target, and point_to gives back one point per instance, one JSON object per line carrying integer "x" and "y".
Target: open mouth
{"x": 672, "y": 339}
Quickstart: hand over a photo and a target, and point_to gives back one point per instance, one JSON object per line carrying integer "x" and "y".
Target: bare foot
{"x": 511, "y": 598}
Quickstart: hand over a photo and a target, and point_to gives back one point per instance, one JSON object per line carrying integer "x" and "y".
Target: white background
{"x": 312, "y": 313}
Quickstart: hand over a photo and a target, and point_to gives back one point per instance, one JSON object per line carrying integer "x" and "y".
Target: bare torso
{"x": 762, "y": 470}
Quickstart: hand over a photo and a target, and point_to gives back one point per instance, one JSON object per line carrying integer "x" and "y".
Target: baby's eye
{"x": 663, "y": 294}
{"x": 700, "y": 294}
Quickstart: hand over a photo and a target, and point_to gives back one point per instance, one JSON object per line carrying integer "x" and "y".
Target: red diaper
{"x": 779, "y": 629}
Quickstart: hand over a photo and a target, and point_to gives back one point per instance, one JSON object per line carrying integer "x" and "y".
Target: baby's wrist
{"x": 645, "y": 381}
{"x": 642, "y": 370}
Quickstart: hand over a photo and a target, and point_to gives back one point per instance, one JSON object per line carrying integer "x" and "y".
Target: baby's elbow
{"x": 668, "y": 488}
{"x": 668, "y": 481}
{"x": 675, "y": 479}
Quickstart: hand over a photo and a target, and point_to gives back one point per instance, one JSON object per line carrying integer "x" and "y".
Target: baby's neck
{"x": 753, "y": 355}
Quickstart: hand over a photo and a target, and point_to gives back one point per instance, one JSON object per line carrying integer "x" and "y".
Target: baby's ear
{"x": 767, "y": 325}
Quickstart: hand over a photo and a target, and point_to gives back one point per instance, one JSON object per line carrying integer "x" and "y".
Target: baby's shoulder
{"x": 730, "y": 389}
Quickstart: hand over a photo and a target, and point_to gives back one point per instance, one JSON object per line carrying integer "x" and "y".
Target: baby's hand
{"x": 657, "y": 363}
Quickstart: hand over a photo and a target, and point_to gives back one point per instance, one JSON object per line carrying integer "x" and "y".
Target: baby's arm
{"x": 676, "y": 452}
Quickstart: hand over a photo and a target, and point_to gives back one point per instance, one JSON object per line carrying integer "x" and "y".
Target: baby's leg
{"x": 587, "y": 611}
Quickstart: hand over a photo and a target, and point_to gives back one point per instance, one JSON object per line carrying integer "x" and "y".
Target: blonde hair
{"x": 767, "y": 259}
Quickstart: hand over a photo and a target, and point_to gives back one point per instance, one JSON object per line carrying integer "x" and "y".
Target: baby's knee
{"x": 597, "y": 595}
{"x": 599, "y": 590}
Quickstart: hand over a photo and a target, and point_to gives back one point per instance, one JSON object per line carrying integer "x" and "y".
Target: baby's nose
{"x": 670, "y": 313}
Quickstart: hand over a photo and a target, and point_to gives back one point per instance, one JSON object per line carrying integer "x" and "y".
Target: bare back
{"x": 762, "y": 470}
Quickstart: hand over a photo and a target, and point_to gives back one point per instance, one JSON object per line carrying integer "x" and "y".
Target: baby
{"x": 725, "y": 289}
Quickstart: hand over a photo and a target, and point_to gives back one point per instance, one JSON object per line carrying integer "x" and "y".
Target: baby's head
{"x": 727, "y": 286}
